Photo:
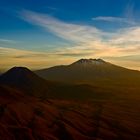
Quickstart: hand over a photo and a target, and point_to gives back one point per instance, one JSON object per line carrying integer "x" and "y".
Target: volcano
{"x": 25, "y": 80}
{"x": 91, "y": 71}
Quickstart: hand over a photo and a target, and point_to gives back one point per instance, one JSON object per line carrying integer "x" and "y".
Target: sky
{"x": 43, "y": 33}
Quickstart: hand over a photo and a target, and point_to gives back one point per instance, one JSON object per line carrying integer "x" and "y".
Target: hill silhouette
{"x": 25, "y": 80}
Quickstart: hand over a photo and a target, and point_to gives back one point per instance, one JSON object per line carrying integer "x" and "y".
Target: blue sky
{"x": 39, "y": 32}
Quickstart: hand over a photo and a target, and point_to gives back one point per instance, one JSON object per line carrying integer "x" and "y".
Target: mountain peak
{"x": 25, "y": 80}
{"x": 90, "y": 61}
{"x": 19, "y": 69}
{"x": 17, "y": 72}
{"x": 17, "y": 75}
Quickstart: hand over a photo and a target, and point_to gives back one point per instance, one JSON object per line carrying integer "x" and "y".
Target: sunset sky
{"x": 43, "y": 33}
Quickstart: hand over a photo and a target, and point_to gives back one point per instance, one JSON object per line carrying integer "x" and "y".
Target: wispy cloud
{"x": 64, "y": 30}
{"x": 87, "y": 37}
{"x": 2, "y": 40}
{"x": 127, "y": 36}
{"x": 51, "y": 8}
{"x": 32, "y": 59}
{"x": 18, "y": 53}
{"x": 115, "y": 19}
{"x": 88, "y": 41}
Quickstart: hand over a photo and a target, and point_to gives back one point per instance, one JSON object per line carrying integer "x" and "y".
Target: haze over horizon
{"x": 40, "y": 34}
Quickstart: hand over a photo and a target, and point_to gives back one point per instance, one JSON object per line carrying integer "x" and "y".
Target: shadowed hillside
{"x": 28, "y": 82}
{"x": 29, "y": 118}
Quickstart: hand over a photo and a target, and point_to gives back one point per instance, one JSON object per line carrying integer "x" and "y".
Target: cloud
{"x": 88, "y": 41}
{"x": 115, "y": 19}
{"x": 127, "y": 58}
{"x": 68, "y": 31}
{"x": 12, "y": 53}
{"x": 127, "y": 36}
{"x": 130, "y": 61}
{"x": 32, "y": 59}
{"x": 75, "y": 54}
{"x": 2, "y": 40}
{"x": 51, "y": 8}
{"x": 14, "y": 57}
{"x": 83, "y": 34}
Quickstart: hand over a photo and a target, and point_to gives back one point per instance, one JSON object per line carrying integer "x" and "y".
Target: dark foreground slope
{"x": 25, "y": 117}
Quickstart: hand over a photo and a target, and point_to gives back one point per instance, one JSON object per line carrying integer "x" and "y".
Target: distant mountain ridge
{"x": 89, "y": 71}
